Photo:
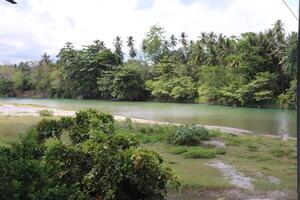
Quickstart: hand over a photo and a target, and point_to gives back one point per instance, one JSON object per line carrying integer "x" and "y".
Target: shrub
{"x": 46, "y": 113}
{"x": 128, "y": 124}
{"x": 177, "y": 150}
{"x": 48, "y": 128}
{"x": 200, "y": 153}
{"x": 102, "y": 166}
{"x": 189, "y": 135}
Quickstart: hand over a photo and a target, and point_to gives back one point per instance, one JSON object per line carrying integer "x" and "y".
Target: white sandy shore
{"x": 30, "y": 110}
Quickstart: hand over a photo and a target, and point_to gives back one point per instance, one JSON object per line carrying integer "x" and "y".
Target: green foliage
{"x": 288, "y": 99}
{"x": 213, "y": 78}
{"x": 177, "y": 149}
{"x": 128, "y": 85}
{"x": 105, "y": 165}
{"x": 252, "y": 147}
{"x": 153, "y": 44}
{"x": 46, "y": 113}
{"x": 252, "y": 69}
{"x": 233, "y": 140}
{"x": 176, "y": 89}
{"x": 280, "y": 151}
{"x": 189, "y": 135}
{"x": 48, "y": 128}
{"x": 6, "y": 87}
{"x": 258, "y": 90}
{"x": 221, "y": 151}
{"x": 200, "y": 153}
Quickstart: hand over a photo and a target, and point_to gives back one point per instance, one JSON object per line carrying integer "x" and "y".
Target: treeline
{"x": 253, "y": 69}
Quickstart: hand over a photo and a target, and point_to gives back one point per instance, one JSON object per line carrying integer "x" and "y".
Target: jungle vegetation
{"x": 252, "y": 69}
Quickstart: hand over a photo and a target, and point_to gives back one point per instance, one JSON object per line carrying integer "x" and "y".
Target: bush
{"x": 200, "y": 153}
{"x": 104, "y": 165}
{"x": 189, "y": 135}
{"x": 46, "y": 113}
{"x": 48, "y": 128}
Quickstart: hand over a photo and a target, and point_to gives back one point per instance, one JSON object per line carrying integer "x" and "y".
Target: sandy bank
{"x": 31, "y": 110}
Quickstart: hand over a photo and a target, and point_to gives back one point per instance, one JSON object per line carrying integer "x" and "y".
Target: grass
{"x": 177, "y": 150}
{"x": 200, "y": 152}
{"x": 251, "y": 155}
{"x": 46, "y": 113}
{"x": 12, "y": 127}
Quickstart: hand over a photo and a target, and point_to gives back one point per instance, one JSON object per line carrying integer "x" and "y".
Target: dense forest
{"x": 252, "y": 69}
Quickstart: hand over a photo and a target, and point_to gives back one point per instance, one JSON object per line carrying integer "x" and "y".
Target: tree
{"x": 184, "y": 43}
{"x": 153, "y": 44}
{"x": 82, "y": 68}
{"x": 288, "y": 98}
{"x": 173, "y": 42}
{"x": 129, "y": 85}
{"x": 132, "y": 51}
{"x": 260, "y": 90}
{"x": 118, "y": 49}
{"x": 176, "y": 89}
{"x": 6, "y": 88}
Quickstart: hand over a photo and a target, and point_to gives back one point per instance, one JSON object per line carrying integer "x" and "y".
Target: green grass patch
{"x": 221, "y": 151}
{"x": 177, "y": 149}
{"x": 280, "y": 151}
{"x": 200, "y": 152}
{"x": 252, "y": 147}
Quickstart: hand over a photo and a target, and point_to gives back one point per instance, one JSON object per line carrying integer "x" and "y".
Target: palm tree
{"x": 130, "y": 41}
{"x": 118, "y": 48}
{"x": 198, "y": 56}
{"x": 183, "y": 40}
{"x": 173, "y": 41}
{"x": 45, "y": 59}
{"x": 184, "y": 44}
{"x": 132, "y": 51}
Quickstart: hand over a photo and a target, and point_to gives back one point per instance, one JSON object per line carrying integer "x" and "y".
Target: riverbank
{"x": 246, "y": 167}
{"x": 33, "y": 110}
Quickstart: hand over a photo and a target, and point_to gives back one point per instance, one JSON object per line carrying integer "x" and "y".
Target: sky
{"x": 33, "y": 27}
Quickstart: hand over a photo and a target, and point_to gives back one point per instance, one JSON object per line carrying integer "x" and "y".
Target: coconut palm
{"x": 130, "y": 41}
{"x": 183, "y": 40}
{"x": 118, "y": 48}
{"x": 130, "y": 44}
{"x": 173, "y": 42}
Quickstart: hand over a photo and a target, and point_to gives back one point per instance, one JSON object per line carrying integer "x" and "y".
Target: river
{"x": 261, "y": 121}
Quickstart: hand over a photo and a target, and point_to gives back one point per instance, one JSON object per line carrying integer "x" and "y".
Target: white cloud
{"x": 35, "y": 26}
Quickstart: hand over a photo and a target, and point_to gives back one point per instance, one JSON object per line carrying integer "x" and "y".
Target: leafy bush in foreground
{"x": 98, "y": 164}
{"x": 189, "y": 135}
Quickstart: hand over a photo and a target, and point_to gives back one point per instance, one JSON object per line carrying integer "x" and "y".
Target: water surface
{"x": 262, "y": 121}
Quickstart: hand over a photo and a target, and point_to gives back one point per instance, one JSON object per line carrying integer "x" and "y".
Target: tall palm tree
{"x": 118, "y": 48}
{"x": 130, "y": 41}
{"x": 45, "y": 59}
{"x": 183, "y": 39}
{"x": 198, "y": 56}
{"x": 173, "y": 41}
{"x": 132, "y": 51}
{"x": 184, "y": 44}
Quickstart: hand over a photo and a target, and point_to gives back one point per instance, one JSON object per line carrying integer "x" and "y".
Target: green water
{"x": 262, "y": 121}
